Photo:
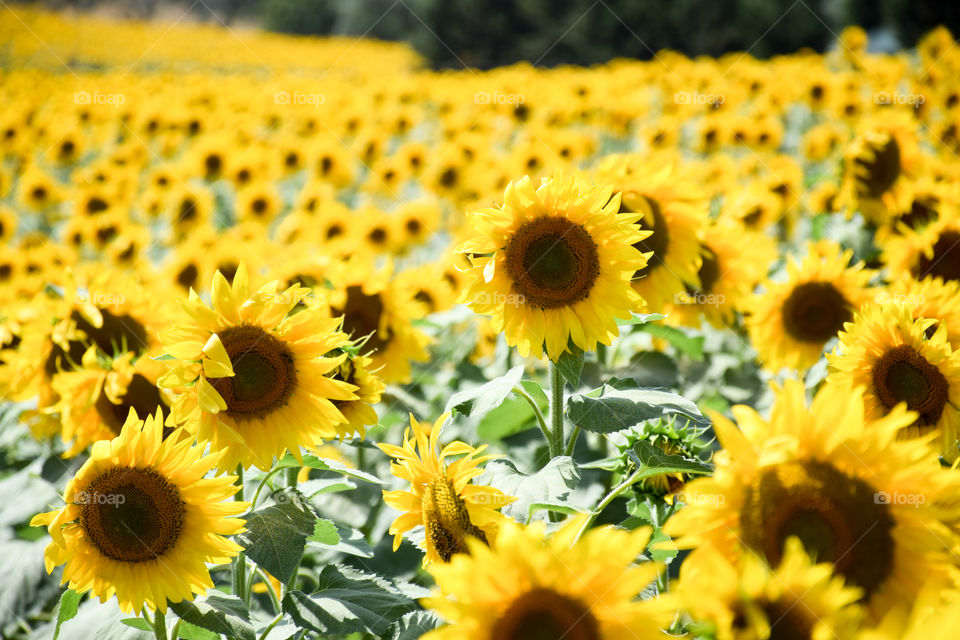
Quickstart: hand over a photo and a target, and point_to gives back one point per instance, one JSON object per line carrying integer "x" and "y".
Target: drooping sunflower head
{"x": 440, "y": 496}
{"x": 525, "y": 586}
{"x": 674, "y": 216}
{"x": 252, "y": 376}
{"x": 932, "y": 252}
{"x": 844, "y": 485}
{"x": 879, "y": 168}
{"x": 554, "y": 264}
{"x": 749, "y": 600}
{"x": 359, "y": 413}
{"x": 900, "y": 358}
{"x": 791, "y": 322}
{"x": 141, "y": 521}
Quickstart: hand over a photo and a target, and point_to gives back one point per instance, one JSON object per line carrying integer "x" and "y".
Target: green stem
{"x": 238, "y": 569}
{"x": 267, "y": 631}
{"x": 610, "y": 497}
{"x": 292, "y": 473}
{"x": 556, "y": 411}
{"x": 541, "y": 421}
{"x": 572, "y": 442}
{"x": 159, "y": 625}
{"x": 274, "y": 597}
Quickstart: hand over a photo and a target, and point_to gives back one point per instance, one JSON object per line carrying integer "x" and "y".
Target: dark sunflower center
{"x": 552, "y": 262}
{"x": 265, "y": 373}
{"x": 544, "y": 614}
{"x": 446, "y": 520}
{"x": 652, "y": 220}
{"x": 945, "y": 261}
{"x": 922, "y": 212}
{"x": 361, "y": 317}
{"x": 141, "y": 395}
{"x": 838, "y": 518}
{"x": 815, "y": 312}
{"x": 709, "y": 274}
{"x": 188, "y": 275}
{"x": 787, "y": 620}
{"x": 131, "y": 514}
{"x": 884, "y": 169}
{"x": 903, "y": 375}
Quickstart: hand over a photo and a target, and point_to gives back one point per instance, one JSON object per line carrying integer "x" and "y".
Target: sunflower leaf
{"x": 616, "y": 409}
{"x": 67, "y": 609}
{"x": 481, "y": 399}
{"x": 277, "y": 535}
{"x": 653, "y": 461}
{"x": 640, "y": 318}
{"x": 326, "y": 464}
{"x": 347, "y": 601}
{"x": 218, "y": 612}
{"x": 414, "y": 624}
{"x": 570, "y": 364}
{"x": 325, "y": 532}
{"x": 547, "y": 486}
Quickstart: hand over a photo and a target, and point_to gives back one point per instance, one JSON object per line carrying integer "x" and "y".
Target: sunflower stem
{"x": 159, "y": 625}
{"x": 610, "y": 497}
{"x": 238, "y": 568}
{"x": 541, "y": 421}
{"x": 556, "y": 439}
{"x": 572, "y": 442}
{"x": 292, "y": 473}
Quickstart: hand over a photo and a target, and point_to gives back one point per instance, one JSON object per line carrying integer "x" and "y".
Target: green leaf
{"x": 351, "y": 542}
{"x": 218, "y": 612}
{"x": 189, "y": 631}
{"x": 479, "y": 400}
{"x": 325, "y": 532}
{"x": 414, "y": 625}
{"x": 653, "y": 461}
{"x": 67, "y": 609}
{"x": 690, "y": 345}
{"x": 347, "y": 601}
{"x": 277, "y": 535}
{"x": 325, "y": 464}
{"x": 137, "y": 623}
{"x": 559, "y": 507}
{"x": 570, "y": 364}
{"x": 618, "y": 409}
{"x": 546, "y": 486}
{"x": 535, "y": 391}
{"x": 640, "y": 318}
{"x": 515, "y": 415}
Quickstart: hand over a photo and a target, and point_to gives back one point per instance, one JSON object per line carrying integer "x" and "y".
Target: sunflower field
{"x": 302, "y": 339}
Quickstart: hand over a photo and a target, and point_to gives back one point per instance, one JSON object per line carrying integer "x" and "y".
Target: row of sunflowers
{"x": 301, "y": 339}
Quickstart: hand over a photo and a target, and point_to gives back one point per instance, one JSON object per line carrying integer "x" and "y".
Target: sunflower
{"x": 251, "y": 377}
{"x": 529, "y": 586}
{"x": 932, "y": 252}
{"x": 674, "y": 215}
{"x": 554, "y": 264}
{"x": 791, "y": 322}
{"x": 441, "y": 497}
{"x": 141, "y": 522}
{"x": 374, "y": 304}
{"x": 930, "y": 298}
{"x": 856, "y": 496}
{"x": 734, "y": 260}
{"x": 95, "y": 399}
{"x": 935, "y": 616}
{"x": 879, "y": 168}
{"x": 359, "y": 413}
{"x": 898, "y": 358}
{"x": 751, "y": 601}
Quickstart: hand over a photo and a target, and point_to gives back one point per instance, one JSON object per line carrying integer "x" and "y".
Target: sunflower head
{"x": 554, "y": 264}
{"x": 251, "y": 375}
{"x": 141, "y": 521}
{"x": 527, "y": 586}
{"x": 441, "y": 497}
